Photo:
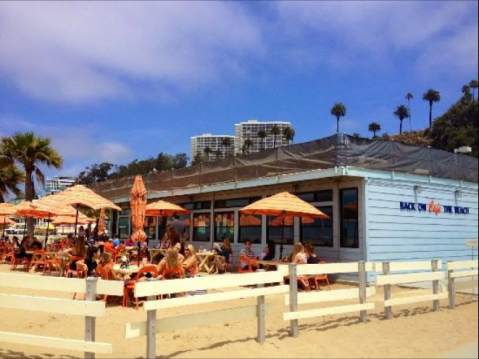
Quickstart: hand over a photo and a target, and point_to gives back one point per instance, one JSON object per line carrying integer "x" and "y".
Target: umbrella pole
{"x": 76, "y": 222}
{"x": 25, "y": 229}
{"x": 48, "y": 228}
{"x": 4, "y": 225}
{"x": 282, "y": 238}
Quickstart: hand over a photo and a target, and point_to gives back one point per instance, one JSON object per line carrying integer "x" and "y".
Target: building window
{"x": 224, "y": 226}
{"x": 349, "y": 218}
{"x": 278, "y": 233}
{"x": 319, "y": 232}
{"x": 197, "y": 206}
{"x": 317, "y": 197}
{"x": 202, "y": 227}
{"x": 251, "y": 227}
{"x": 124, "y": 227}
{"x": 235, "y": 203}
{"x": 150, "y": 227}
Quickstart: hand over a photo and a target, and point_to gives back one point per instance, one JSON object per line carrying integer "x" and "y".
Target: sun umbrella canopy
{"x": 288, "y": 221}
{"x": 164, "y": 209}
{"x": 284, "y": 204}
{"x": 56, "y": 207}
{"x": 249, "y": 221}
{"x": 138, "y": 209}
{"x": 7, "y": 209}
{"x": 80, "y": 195}
{"x": 32, "y": 210}
{"x": 4, "y": 221}
{"x": 65, "y": 221}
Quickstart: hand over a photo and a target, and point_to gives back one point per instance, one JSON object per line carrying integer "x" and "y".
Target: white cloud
{"x": 380, "y": 33}
{"x": 79, "y": 146}
{"x": 86, "y": 51}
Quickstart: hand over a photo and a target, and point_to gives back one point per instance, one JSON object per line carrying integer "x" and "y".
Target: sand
{"x": 415, "y": 332}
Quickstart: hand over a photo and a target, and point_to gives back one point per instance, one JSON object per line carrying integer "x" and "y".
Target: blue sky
{"x": 115, "y": 81}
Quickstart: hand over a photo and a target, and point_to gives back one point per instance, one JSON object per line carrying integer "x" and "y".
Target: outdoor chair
{"x": 130, "y": 288}
{"x": 250, "y": 264}
{"x": 39, "y": 259}
{"x": 316, "y": 279}
{"x": 102, "y": 273}
{"x": 15, "y": 262}
{"x": 8, "y": 254}
{"x": 72, "y": 273}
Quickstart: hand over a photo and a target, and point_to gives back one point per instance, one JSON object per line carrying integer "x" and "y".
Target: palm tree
{"x": 208, "y": 152}
{"x": 432, "y": 96}
{"x": 31, "y": 151}
{"x": 248, "y": 144}
{"x": 466, "y": 91}
{"x": 409, "y": 98}
{"x": 263, "y": 135}
{"x": 10, "y": 179}
{"x": 275, "y": 131}
{"x": 338, "y": 111}
{"x": 218, "y": 154}
{"x": 473, "y": 85}
{"x": 227, "y": 143}
{"x": 374, "y": 127}
{"x": 402, "y": 113}
{"x": 289, "y": 134}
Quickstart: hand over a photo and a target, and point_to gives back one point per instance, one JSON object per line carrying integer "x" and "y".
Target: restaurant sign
{"x": 434, "y": 207}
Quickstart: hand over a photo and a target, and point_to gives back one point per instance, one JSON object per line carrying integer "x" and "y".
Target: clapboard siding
{"x": 398, "y": 235}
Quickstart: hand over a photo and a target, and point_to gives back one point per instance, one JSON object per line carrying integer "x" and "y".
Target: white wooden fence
{"x": 90, "y": 309}
{"x": 461, "y": 270}
{"x": 153, "y": 289}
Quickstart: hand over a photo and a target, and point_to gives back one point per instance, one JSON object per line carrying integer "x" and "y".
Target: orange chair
{"x": 321, "y": 278}
{"x": 102, "y": 273}
{"x": 15, "y": 262}
{"x": 8, "y": 254}
{"x": 131, "y": 287}
{"x": 51, "y": 264}
{"x": 250, "y": 264}
{"x": 71, "y": 273}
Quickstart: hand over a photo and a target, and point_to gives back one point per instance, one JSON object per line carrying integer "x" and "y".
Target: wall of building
{"x": 400, "y": 234}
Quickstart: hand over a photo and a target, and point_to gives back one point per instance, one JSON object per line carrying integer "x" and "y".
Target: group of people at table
{"x": 176, "y": 259}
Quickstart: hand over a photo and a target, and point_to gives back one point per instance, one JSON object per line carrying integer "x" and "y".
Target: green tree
{"x": 275, "y": 131}
{"x": 409, "y": 98}
{"x": 227, "y": 143}
{"x": 338, "y": 111}
{"x": 289, "y": 134}
{"x": 374, "y": 127}
{"x": 95, "y": 173}
{"x": 431, "y": 96}
{"x": 219, "y": 154}
{"x": 467, "y": 94}
{"x": 10, "y": 179}
{"x": 402, "y": 112}
{"x": 473, "y": 85}
{"x": 248, "y": 144}
{"x": 180, "y": 161}
{"x": 263, "y": 135}
{"x": 197, "y": 160}
{"x": 208, "y": 152}
{"x": 31, "y": 151}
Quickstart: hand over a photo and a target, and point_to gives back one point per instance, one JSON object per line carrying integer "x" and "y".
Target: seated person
{"x": 129, "y": 242}
{"x": 299, "y": 256}
{"x": 36, "y": 244}
{"x": 116, "y": 241}
{"x": 248, "y": 252}
{"x": 171, "y": 264}
{"x": 190, "y": 264}
{"x": 311, "y": 254}
{"x": 226, "y": 249}
{"x": 106, "y": 261}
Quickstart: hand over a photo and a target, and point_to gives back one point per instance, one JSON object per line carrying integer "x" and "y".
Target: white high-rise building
{"x": 215, "y": 143}
{"x": 249, "y": 131}
{"x": 58, "y": 183}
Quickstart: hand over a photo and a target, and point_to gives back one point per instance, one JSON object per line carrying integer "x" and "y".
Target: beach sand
{"x": 415, "y": 332}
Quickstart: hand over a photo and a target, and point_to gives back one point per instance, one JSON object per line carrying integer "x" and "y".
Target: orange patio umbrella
{"x": 288, "y": 221}
{"x": 138, "y": 209}
{"x": 4, "y": 221}
{"x": 164, "y": 209}
{"x": 70, "y": 221}
{"x": 249, "y": 221}
{"x": 102, "y": 223}
{"x": 82, "y": 196}
{"x": 6, "y": 210}
{"x": 284, "y": 205}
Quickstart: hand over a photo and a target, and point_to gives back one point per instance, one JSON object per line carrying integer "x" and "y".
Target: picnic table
{"x": 127, "y": 272}
{"x": 48, "y": 256}
{"x": 281, "y": 266}
{"x": 205, "y": 258}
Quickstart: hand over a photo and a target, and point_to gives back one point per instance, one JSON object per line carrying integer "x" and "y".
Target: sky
{"x": 115, "y": 81}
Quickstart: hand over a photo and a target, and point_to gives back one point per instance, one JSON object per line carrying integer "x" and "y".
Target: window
{"x": 277, "y": 233}
{"x": 197, "y": 206}
{"x": 124, "y": 227}
{"x": 164, "y": 221}
{"x": 349, "y": 218}
{"x": 251, "y": 227}
{"x": 224, "y": 226}
{"x": 150, "y": 227}
{"x": 320, "y": 232}
{"x": 125, "y": 212}
{"x": 202, "y": 227}
{"x": 235, "y": 203}
{"x": 321, "y": 196}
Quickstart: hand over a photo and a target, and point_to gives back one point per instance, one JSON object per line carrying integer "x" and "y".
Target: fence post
{"x": 452, "y": 289}
{"x": 261, "y": 317}
{"x": 363, "y": 289}
{"x": 90, "y": 322}
{"x": 151, "y": 329}
{"x": 293, "y": 296}
{"x": 387, "y": 290}
{"x": 435, "y": 285}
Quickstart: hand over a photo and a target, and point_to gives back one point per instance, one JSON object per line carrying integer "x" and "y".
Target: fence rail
{"x": 465, "y": 271}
